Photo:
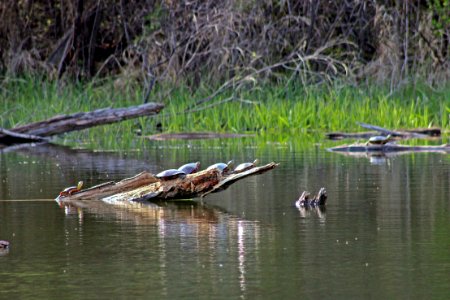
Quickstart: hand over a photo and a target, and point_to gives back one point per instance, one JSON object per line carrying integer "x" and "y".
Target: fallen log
{"x": 195, "y": 136}
{"x": 351, "y": 135}
{"x": 37, "y": 131}
{"x": 8, "y": 137}
{"x": 415, "y": 133}
{"x": 404, "y": 133}
{"x": 147, "y": 187}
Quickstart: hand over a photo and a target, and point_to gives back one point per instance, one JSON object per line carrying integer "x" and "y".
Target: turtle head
{"x": 229, "y": 166}
{"x": 79, "y": 185}
{"x": 389, "y": 137}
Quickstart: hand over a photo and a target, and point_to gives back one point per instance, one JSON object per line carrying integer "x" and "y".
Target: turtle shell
{"x": 71, "y": 189}
{"x": 245, "y": 166}
{"x": 170, "y": 174}
{"x": 379, "y": 139}
{"x": 223, "y": 167}
{"x": 190, "y": 168}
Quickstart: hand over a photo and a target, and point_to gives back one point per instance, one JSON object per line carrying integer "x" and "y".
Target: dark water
{"x": 385, "y": 232}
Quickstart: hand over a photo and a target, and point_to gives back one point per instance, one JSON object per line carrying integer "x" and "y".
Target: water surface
{"x": 385, "y": 232}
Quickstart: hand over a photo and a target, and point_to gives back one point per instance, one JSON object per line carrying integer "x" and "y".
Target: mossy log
{"x": 147, "y": 187}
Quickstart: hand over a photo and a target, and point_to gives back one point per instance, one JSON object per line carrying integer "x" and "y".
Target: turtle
{"x": 245, "y": 166}
{"x": 190, "y": 168}
{"x": 223, "y": 167}
{"x": 71, "y": 189}
{"x": 379, "y": 140}
{"x": 4, "y": 244}
{"x": 170, "y": 174}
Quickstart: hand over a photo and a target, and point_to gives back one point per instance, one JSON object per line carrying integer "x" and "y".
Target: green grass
{"x": 274, "y": 113}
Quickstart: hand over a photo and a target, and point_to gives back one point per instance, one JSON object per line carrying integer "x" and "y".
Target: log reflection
{"x": 186, "y": 229}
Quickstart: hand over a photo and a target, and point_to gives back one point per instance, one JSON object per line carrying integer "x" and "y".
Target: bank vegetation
{"x": 206, "y": 42}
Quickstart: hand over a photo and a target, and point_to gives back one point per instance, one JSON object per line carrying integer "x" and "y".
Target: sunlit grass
{"x": 274, "y": 113}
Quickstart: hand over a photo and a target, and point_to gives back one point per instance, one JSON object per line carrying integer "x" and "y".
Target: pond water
{"x": 385, "y": 232}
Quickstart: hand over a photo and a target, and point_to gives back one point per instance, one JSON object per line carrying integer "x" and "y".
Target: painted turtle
{"x": 245, "y": 166}
{"x": 379, "y": 140}
{"x": 170, "y": 174}
{"x": 190, "y": 168}
{"x": 4, "y": 244}
{"x": 224, "y": 168}
{"x": 71, "y": 189}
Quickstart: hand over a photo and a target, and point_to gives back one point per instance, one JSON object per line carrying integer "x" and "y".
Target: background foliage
{"x": 234, "y": 42}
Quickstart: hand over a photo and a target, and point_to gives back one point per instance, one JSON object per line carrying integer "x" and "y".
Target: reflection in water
{"x": 71, "y": 210}
{"x": 193, "y": 225}
{"x": 241, "y": 255}
{"x": 378, "y": 160}
{"x": 385, "y": 226}
{"x": 319, "y": 211}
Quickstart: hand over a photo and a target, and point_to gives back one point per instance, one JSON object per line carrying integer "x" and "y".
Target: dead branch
{"x": 406, "y": 133}
{"x": 392, "y": 132}
{"x": 8, "y": 137}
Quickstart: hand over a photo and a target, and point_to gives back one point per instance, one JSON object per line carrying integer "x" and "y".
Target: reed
{"x": 274, "y": 113}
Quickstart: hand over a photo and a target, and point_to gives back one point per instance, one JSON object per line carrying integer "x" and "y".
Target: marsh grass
{"x": 277, "y": 114}
{"x": 293, "y": 111}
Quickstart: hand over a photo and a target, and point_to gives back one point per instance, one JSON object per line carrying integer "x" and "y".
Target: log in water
{"x": 146, "y": 186}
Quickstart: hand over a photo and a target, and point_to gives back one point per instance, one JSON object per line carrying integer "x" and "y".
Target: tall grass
{"x": 273, "y": 113}
{"x": 275, "y": 110}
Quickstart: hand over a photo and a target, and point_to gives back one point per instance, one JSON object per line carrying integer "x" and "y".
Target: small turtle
{"x": 224, "y": 168}
{"x": 245, "y": 166}
{"x": 379, "y": 140}
{"x": 170, "y": 174}
{"x": 190, "y": 168}
{"x": 71, "y": 189}
{"x": 4, "y": 244}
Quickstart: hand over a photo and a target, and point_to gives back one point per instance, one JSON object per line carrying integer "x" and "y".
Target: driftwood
{"x": 36, "y": 132}
{"x": 305, "y": 199}
{"x": 407, "y": 133}
{"x": 146, "y": 186}
{"x": 308, "y": 205}
{"x": 389, "y": 148}
{"x": 414, "y": 133}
